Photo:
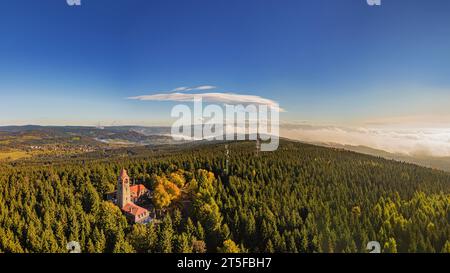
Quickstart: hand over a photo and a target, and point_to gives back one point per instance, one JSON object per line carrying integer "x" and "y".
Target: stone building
{"x": 126, "y": 195}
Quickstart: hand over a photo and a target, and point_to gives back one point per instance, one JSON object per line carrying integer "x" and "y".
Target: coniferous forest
{"x": 300, "y": 198}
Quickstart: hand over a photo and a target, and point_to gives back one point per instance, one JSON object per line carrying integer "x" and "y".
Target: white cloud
{"x": 217, "y": 97}
{"x": 196, "y": 88}
{"x": 180, "y": 89}
{"x": 204, "y": 87}
{"x": 410, "y": 141}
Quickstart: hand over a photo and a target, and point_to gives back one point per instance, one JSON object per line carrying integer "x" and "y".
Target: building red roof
{"x": 137, "y": 190}
{"x": 133, "y": 209}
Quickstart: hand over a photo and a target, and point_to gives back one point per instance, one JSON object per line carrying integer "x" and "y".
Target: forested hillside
{"x": 301, "y": 198}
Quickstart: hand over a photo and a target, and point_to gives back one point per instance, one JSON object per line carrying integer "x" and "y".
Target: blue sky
{"x": 335, "y": 62}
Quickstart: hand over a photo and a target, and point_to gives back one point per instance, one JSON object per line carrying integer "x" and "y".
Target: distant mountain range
{"x": 50, "y": 142}
{"x": 23, "y": 141}
{"x": 132, "y": 135}
{"x": 442, "y": 163}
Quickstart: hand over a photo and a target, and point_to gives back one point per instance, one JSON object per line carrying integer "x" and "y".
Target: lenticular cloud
{"x": 216, "y": 97}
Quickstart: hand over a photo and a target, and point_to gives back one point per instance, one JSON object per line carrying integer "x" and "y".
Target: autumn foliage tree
{"x": 229, "y": 247}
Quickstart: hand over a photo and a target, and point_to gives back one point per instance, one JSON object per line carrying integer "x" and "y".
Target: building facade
{"x": 126, "y": 195}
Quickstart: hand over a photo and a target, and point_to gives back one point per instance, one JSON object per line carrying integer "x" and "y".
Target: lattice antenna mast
{"x": 227, "y": 159}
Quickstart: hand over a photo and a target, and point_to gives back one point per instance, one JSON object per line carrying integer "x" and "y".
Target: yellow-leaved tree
{"x": 229, "y": 247}
{"x": 161, "y": 198}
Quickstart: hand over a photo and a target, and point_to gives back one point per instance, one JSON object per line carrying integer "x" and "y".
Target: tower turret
{"x": 123, "y": 189}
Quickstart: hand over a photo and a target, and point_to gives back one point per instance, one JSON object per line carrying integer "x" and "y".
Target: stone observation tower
{"x": 126, "y": 195}
{"x": 123, "y": 189}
